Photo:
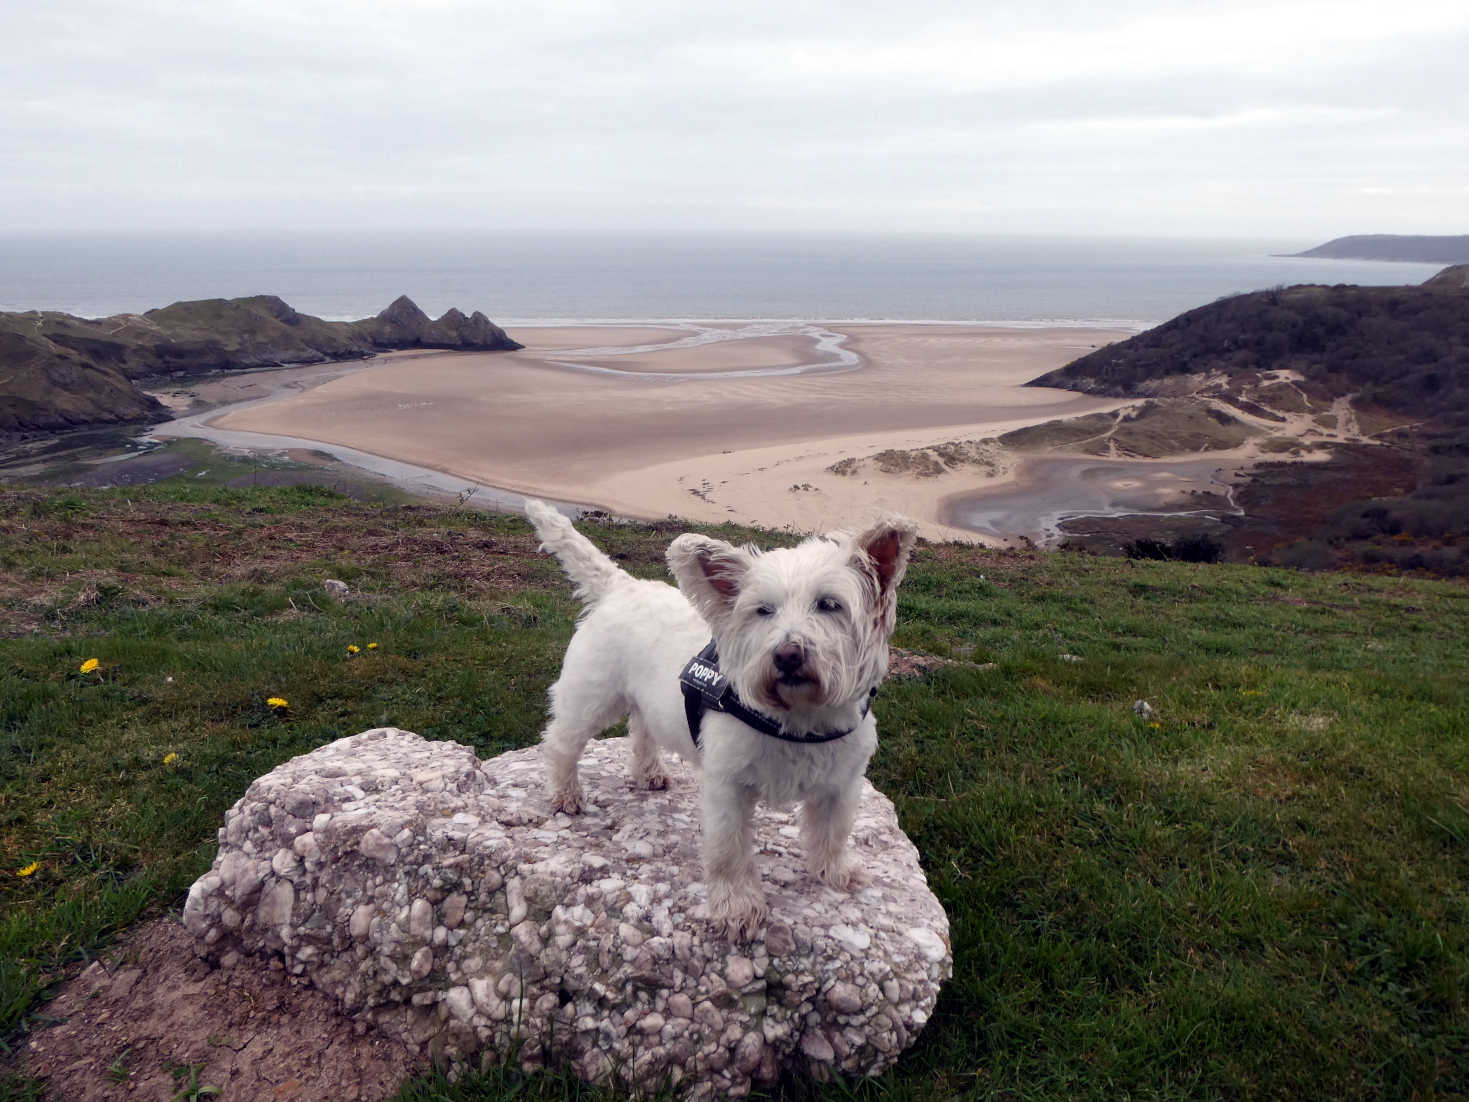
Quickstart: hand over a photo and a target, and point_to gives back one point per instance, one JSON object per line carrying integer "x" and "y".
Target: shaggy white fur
{"x": 802, "y": 635}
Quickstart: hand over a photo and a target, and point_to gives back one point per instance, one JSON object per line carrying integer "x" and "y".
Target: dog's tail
{"x": 592, "y": 572}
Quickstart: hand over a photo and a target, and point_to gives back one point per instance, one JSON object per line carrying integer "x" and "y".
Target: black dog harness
{"x": 705, "y": 688}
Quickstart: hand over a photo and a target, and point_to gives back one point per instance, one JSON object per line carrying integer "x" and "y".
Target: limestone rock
{"x": 403, "y": 325}
{"x": 404, "y": 313}
{"x": 433, "y": 895}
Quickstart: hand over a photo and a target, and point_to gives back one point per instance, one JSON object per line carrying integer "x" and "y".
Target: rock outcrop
{"x": 404, "y": 325}
{"x": 59, "y": 371}
{"x": 434, "y": 896}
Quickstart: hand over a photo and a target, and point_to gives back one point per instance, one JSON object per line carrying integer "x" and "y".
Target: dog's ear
{"x": 709, "y": 572}
{"x": 881, "y": 553}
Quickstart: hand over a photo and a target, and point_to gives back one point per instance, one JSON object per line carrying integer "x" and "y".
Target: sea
{"x": 541, "y": 277}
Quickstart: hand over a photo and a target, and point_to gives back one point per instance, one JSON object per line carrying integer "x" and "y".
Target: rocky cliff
{"x": 58, "y": 371}
{"x": 404, "y": 325}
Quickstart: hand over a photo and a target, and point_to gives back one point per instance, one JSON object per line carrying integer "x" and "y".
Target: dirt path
{"x": 156, "y": 1016}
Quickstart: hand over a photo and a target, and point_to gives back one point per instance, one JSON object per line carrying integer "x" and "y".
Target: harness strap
{"x": 706, "y": 688}
{"x": 693, "y": 710}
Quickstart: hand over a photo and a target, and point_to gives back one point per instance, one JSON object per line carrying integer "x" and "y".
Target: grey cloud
{"x": 586, "y": 114}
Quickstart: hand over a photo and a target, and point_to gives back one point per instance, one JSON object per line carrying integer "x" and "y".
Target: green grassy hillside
{"x": 1403, "y": 350}
{"x": 47, "y": 387}
{"x": 1259, "y": 891}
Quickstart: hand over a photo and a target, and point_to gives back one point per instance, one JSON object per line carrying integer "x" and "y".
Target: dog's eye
{"x": 764, "y": 610}
{"x": 828, "y": 604}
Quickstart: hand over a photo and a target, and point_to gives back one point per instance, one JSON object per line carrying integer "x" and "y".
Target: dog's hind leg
{"x": 647, "y": 764}
{"x": 579, "y": 712}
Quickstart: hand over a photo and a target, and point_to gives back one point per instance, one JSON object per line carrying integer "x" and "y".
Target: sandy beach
{"x": 711, "y": 422}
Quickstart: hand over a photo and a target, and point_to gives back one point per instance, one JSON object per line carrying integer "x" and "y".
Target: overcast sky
{"x": 1283, "y": 119}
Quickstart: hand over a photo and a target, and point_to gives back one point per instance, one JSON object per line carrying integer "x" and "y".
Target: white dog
{"x": 801, "y": 636}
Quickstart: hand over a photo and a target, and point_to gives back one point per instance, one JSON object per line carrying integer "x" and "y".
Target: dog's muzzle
{"x": 789, "y": 661}
{"x": 789, "y": 658}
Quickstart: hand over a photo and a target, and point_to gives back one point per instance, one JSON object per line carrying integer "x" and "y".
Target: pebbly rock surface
{"x": 433, "y": 895}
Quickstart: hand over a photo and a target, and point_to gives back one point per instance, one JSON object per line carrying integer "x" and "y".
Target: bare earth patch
{"x": 135, "y": 1029}
{"x": 910, "y": 663}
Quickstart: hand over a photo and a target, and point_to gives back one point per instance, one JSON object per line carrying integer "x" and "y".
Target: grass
{"x": 1260, "y": 891}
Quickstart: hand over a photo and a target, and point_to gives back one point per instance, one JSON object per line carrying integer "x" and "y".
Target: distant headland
{"x": 58, "y": 371}
{"x": 1394, "y": 247}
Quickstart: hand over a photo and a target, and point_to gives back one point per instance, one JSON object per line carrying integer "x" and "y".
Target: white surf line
{"x": 827, "y": 342}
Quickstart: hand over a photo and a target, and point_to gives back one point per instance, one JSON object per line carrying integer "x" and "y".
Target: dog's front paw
{"x": 843, "y": 875}
{"x": 654, "y": 781}
{"x": 568, "y": 800}
{"x": 742, "y": 925}
{"x": 737, "y": 912}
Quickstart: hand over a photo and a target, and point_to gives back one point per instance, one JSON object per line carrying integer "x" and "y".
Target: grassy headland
{"x": 1418, "y": 248}
{"x": 1261, "y": 889}
{"x": 58, "y": 371}
{"x": 1391, "y": 361}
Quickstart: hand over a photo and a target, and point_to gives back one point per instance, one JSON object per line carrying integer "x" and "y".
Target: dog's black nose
{"x": 789, "y": 657}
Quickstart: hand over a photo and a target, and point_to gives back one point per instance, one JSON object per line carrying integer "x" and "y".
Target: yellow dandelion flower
{"x": 353, "y": 648}
{"x": 32, "y": 867}
{"x": 170, "y": 758}
{"x": 89, "y": 665}
{"x": 372, "y": 646}
{"x": 277, "y": 702}
{"x": 1155, "y": 726}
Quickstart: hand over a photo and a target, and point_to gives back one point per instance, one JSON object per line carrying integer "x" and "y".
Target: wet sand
{"x": 556, "y": 337}
{"x": 711, "y": 422}
{"x": 1046, "y": 492}
{"x": 700, "y": 350}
